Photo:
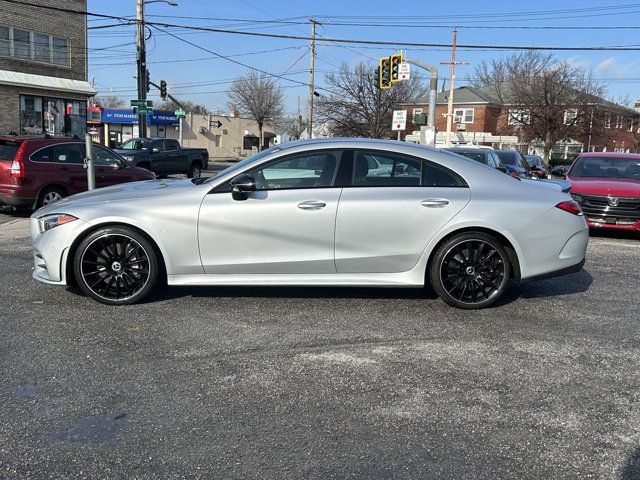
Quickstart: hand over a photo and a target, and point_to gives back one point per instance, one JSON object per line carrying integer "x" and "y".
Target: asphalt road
{"x": 322, "y": 383}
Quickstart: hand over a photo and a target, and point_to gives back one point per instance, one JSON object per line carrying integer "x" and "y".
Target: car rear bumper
{"x": 556, "y": 273}
{"x": 9, "y": 197}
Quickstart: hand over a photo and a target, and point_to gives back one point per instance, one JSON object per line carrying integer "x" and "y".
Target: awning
{"x": 29, "y": 80}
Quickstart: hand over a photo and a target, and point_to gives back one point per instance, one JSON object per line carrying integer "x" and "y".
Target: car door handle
{"x": 435, "y": 202}
{"x": 312, "y": 205}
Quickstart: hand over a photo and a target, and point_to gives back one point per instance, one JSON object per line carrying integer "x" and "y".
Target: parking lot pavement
{"x": 322, "y": 383}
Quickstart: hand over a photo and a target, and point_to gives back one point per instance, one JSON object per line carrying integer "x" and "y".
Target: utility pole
{"x": 453, "y": 64}
{"x": 299, "y": 121}
{"x": 311, "y": 76}
{"x": 141, "y": 58}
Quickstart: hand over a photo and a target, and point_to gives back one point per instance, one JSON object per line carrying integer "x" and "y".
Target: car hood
{"x": 122, "y": 192}
{"x": 620, "y": 187}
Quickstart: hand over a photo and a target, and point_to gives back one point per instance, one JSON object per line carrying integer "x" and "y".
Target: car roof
{"x": 468, "y": 149}
{"x": 40, "y": 137}
{"x": 610, "y": 154}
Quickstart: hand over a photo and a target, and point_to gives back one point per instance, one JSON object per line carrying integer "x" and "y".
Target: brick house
{"x": 476, "y": 111}
{"x": 43, "y": 69}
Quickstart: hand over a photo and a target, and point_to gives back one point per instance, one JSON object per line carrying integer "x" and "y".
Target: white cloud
{"x": 611, "y": 67}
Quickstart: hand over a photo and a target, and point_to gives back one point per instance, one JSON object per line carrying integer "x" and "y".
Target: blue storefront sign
{"x": 128, "y": 117}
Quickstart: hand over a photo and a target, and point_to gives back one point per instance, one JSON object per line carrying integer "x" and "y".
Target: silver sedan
{"x": 334, "y": 212}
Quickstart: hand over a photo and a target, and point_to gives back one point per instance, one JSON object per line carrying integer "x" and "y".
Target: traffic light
{"x": 163, "y": 90}
{"x": 376, "y": 77}
{"x": 147, "y": 80}
{"x": 385, "y": 73}
{"x": 396, "y": 60}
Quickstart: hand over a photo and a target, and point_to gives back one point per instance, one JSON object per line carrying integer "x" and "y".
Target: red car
{"x": 607, "y": 187}
{"x": 38, "y": 170}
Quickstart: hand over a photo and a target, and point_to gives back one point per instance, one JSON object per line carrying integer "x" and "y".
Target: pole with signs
{"x": 91, "y": 173}
{"x": 399, "y": 121}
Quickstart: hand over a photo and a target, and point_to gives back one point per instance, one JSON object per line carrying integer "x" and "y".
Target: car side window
{"x": 104, "y": 157}
{"x": 68, "y": 153}
{"x": 306, "y": 170}
{"x": 172, "y": 145}
{"x": 385, "y": 169}
{"x": 157, "y": 146}
{"x": 43, "y": 155}
{"x": 438, "y": 176}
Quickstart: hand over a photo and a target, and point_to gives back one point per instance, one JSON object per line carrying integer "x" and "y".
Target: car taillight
{"x": 515, "y": 174}
{"x": 17, "y": 167}
{"x": 571, "y": 207}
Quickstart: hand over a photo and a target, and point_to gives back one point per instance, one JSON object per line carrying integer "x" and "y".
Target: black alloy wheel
{"x": 116, "y": 265}
{"x": 470, "y": 271}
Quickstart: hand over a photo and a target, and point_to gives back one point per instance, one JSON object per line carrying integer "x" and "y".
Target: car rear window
{"x": 8, "y": 149}
{"x": 509, "y": 158}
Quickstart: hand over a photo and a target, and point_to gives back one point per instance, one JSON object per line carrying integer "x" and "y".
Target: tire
{"x": 50, "y": 195}
{"x": 116, "y": 266}
{"x": 470, "y": 270}
{"x": 194, "y": 171}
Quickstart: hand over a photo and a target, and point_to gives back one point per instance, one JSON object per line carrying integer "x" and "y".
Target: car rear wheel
{"x": 116, "y": 266}
{"x": 194, "y": 171}
{"x": 470, "y": 270}
{"x": 51, "y": 195}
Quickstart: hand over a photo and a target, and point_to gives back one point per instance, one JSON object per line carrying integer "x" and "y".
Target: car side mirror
{"x": 155, "y": 150}
{"x": 502, "y": 169}
{"x": 241, "y": 186}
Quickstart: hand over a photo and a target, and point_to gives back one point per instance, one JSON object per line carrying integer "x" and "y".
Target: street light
{"x": 141, "y": 58}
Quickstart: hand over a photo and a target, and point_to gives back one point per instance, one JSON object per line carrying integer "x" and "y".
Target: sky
{"x": 192, "y": 70}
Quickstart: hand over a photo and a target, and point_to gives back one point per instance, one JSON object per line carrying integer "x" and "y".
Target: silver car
{"x": 335, "y": 212}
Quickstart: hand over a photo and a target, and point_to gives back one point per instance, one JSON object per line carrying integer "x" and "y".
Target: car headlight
{"x": 51, "y": 221}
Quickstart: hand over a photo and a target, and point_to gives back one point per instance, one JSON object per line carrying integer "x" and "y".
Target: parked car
{"x": 165, "y": 156}
{"x": 607, "y": 186}
{"x": 515, "y": 162}
{"x": 334, "y": 224}
{"x": 537, "y": 166}
{"x": 38, "y": 170}
{"x": 482, "y": 155}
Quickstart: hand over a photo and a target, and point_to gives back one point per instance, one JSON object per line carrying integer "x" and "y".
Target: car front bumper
{"x": 51, "y": 249}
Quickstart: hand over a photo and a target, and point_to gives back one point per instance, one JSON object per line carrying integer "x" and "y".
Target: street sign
{"x": 144, "y": 110}
{"x": 404, "y": 71}
{"x": 399, "y": 120}
{"x": 215, "y": 124}
{"x": 180, "y": 113}
{"x": 139, "y": 103}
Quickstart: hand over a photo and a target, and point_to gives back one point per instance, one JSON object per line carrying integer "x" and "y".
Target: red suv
{"x": 37, "y": 170}
{"x": 607, "y": 187}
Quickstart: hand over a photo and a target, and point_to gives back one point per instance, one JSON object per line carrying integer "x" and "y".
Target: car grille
{"x": 598, "y": 209}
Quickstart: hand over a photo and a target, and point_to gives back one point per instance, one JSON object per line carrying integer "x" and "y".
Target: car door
{"x": 69, "y": 162}
{"x": 385, "y": 222}
{"x": 176, "y": 158}
{"x": 110, "y": 168}
{"x": 160, "y": 162}
{"x": 286, "y": 226}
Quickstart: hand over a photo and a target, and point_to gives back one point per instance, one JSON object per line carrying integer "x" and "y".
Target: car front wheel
{"x": 470, "y": 270}
{"x": 116, "y": 265}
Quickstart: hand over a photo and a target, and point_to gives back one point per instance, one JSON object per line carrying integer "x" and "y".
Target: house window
{"x": 607, "y": 121}
{"x": 630, "y": 126}
{"x": 39, "y": 47}
{"x": 52, "y": 115}
{"x": 518, "y": 117}
{"x": 618, "y": 121}
{"x": 5, "y": 44}
{"x": 463, "y": 115}
{"x": 60, "y": 51}
{"x": 570, "y": 116}
{"x": 21, "y": 44}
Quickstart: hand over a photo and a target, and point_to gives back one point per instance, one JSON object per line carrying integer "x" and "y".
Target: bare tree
{"x": 542, "y": 98}
{"x": 258, "y": 97}
{"x": 170, "y": 105}
{"x": 357, "y": 108}
{"x": 110, "y": 101}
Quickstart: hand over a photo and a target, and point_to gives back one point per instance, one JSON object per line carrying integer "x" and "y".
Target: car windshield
{"x": 135, "y": 144}
{"x": 534, "y": 160}
{"x": 606, "y": 167}
{"x": 509, "y": 158}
